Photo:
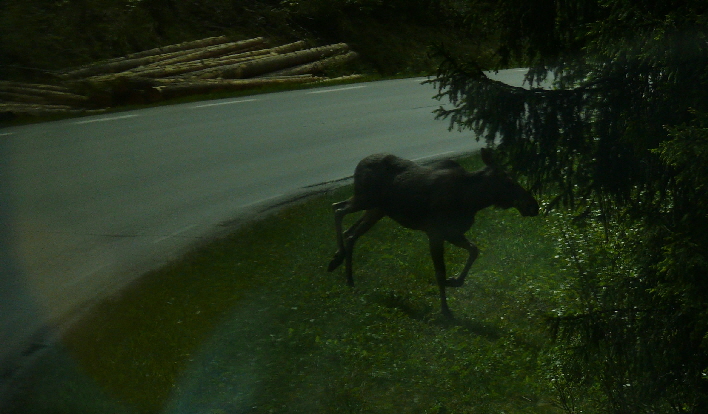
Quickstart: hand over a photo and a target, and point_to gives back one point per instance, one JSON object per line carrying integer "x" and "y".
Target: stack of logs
{"x": 196, "y": 67}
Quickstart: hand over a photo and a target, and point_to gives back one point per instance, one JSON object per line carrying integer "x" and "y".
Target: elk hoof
{"x": 447, "y": 314}
{"x": 454, "y": 282}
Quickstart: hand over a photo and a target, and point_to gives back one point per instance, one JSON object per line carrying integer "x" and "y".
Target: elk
{"x": 440, "y": 199}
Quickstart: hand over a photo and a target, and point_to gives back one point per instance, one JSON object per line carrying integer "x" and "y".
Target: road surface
{"x": 87, "y": 205}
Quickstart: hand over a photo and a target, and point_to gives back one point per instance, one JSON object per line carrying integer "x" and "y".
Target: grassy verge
{"x": 254, "y": 324}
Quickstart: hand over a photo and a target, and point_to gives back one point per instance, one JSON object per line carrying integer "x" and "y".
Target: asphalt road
{"x": 87, "y": 205}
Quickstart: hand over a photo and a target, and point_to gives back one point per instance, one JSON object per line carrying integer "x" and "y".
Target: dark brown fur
{"x": 441, "y": 200}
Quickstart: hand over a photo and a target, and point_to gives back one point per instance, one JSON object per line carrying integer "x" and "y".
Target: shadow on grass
{"x": 420, "y": 311}
{"x": 473, "y": 327}
{"x": 410, "y": 307}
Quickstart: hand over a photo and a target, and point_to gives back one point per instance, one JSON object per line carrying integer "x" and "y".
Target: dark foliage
{"x": 621, "y": 142}
{"x": 44, "y": 35}
{"x": 38, "y": 37}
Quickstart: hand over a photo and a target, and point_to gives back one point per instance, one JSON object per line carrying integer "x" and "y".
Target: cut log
{"x": 186, "y": 69}
{"x": 5, "y": 85}
{"x": 111, "y": 67}
{"x": 159, "y": 69}
{"x": 127, "y": 64}
{"x": 39, "y": 110}
{"x": 341, "y": 78}
{"x": 18, "y": 97}
{"x": 243, "y": 56}
{"x": 159, "y": 83}
{"x": 4, "y": 106}
{"x": 35, "y": 95}
{"x": 211, "y": 67}
{"x": 315, "y": 67}
{"x": 259, "y": 53}
{"x": 120, "y": 90}
{"x": 182, "y": 69}
{"x": 168, "y": 57}
{"x": 168, "y": 51}
{"x": 16, "y": 105}
{"x": 288, "y": 48}
{"x": 173, "y": 70}
{"x": 219, "y": 50}
{"x": 214, "y": 85}
{"x": 273, "y": 63}
{"x": 194, "y": 44}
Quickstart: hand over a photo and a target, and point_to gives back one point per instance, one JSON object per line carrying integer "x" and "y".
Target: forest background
{"x": 38, "y": 37}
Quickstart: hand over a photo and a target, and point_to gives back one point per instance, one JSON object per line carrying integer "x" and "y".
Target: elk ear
{"x": 487, "y": 157}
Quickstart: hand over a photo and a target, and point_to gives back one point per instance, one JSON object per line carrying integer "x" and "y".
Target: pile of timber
{"x": 39, "y": 99}
{"x": 196, "y": 67}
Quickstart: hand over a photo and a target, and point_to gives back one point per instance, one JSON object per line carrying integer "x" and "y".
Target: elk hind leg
{"x": 341, "y": 209}
{"x": 349, "y": 237}
{"x": 342, "y": 248}
{"x": 462, "y": 242}
{"x": 364, "y": 224}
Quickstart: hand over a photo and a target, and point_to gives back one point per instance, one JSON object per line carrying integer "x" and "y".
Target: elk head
{"x": 508, "y": 193}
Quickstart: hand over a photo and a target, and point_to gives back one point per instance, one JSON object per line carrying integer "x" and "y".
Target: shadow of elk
{"x": 441, "y": 200}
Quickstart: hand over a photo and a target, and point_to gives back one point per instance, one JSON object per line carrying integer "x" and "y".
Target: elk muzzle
{"x": 527, "y": 205}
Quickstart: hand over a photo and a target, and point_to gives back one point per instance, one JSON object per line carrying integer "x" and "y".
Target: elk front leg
{"x": 437, "y": 252}
{"x": 462, "y": 242}
{"x": 341, "y": 209}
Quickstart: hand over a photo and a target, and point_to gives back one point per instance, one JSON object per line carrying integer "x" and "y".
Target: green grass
{"x": 254, "y": 324}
